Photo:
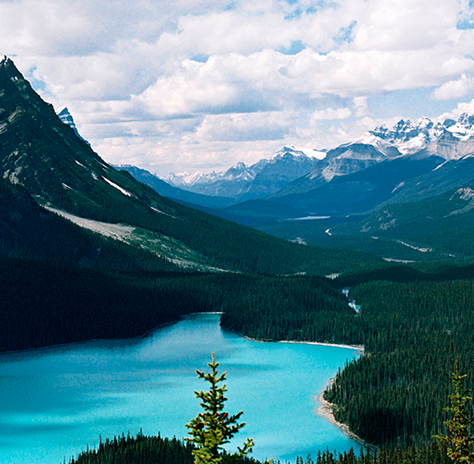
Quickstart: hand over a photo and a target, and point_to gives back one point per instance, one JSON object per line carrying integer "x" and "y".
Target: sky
{"x": 199, "y": 85}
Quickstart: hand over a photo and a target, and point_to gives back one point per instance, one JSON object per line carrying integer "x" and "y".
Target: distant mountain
{"x": 363, "y": 190}
{"x": 44, "y": 157}
{"x": 418, "y": 205}
{"x": 412, "y": 161}
{"x": 167, "y": 190}
{"x": 420, "y": 138}
{"x": 66, "y": 117}
{"x": 411, "y": 137}
{"x": 341, "y": 161}
{"x": 259, "y": 180}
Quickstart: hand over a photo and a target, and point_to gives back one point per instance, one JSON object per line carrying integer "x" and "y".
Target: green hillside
{"x": 436, "y": 229}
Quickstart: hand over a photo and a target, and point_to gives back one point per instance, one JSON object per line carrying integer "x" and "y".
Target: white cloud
{"x": 464, "y": 107}
{"x": 361, "y": 106}
{"x": 454, "y": 89}
{"x": 331, "y": 113}
{"x": 172, "y": 82}
{"x": 245, "y": 127}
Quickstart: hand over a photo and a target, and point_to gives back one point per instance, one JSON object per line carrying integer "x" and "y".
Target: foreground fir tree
{"x": 459, "y": 440}
{"x": 214, "y": 427}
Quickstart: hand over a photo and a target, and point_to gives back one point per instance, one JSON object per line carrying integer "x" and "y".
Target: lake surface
{"x": 54, "y": 402}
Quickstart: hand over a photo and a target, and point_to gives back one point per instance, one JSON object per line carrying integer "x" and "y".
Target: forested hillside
{"x": 30, "y": 232}
{"x": 429, "y": 230}
{"x": 413, "y": 333}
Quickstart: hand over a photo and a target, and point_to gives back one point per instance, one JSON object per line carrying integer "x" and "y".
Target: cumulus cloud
{"x": 245, "y": 127}
{"x": 181, "y": 81}
{"x": 331, "y": 113}
{"x": 454, "y": 89}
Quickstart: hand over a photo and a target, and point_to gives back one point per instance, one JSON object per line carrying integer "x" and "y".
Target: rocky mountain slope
{"x": 45, "y": 157}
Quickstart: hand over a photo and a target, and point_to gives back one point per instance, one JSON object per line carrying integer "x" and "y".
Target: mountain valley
{"x": 90, "y": 251}
{"x": 415, "y": 161}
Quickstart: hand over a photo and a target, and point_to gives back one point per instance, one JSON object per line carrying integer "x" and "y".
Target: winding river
{"x": 57, "y": 401}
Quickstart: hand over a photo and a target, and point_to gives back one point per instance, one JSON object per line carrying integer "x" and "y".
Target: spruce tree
{"x": 214, "y": 427}
{"x": 459, "y": 441}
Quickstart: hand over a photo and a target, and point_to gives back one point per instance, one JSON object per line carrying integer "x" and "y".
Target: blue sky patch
{"x": 295, "y": 47}
{"x": 345, "y": 34}
{"x": 200, "y": 58}
{"x": 407, "y": 104}
{"x": 466, "y": 23}
{"x": 37, "y": 84}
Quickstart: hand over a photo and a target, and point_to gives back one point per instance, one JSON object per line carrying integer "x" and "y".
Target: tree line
{"x": 44, "y": 304}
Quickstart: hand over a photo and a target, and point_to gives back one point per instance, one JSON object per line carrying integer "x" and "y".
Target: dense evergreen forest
{"x": 44, "y": 305}
{"x": 157, "y": 450}
{"x": 412, "y": 331}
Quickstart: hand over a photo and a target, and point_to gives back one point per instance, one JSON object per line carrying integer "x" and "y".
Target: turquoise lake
{"x": 55, "y": 402}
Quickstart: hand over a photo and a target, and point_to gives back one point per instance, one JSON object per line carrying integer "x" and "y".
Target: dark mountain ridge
{"x": 62, "y": 172}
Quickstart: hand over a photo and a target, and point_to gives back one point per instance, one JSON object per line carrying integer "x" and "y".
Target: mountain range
{"x": 259, "y": 180}
{"x": 55, "y": 177}
{"x": 412, "y": 162}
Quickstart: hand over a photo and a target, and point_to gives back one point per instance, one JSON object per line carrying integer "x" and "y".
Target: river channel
{"x": 55, "y": 402}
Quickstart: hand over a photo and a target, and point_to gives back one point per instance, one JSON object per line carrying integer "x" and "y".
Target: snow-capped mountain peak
{"x": 294, "y": 152}
{"x": 412, "y": 136}
{"x": 463, "y": 128}
{"x": 407, "y": 136}
{"x": 183, "y": 179}
{"x": 65, "y": 116}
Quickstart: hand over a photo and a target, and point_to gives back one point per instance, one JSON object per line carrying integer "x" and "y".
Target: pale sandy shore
{"x": 325, "y": 410}
{"x": 354, "y": 347}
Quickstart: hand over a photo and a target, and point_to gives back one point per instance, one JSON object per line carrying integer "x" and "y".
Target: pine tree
{"x": 214, "y": 427}
{"x": 459, "y": 441}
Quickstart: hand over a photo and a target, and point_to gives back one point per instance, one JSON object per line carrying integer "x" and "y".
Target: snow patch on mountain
{"x": 464, "y": 193}
{"x": 413, "y": 247}
{"x": 370, "y": 138}
{"x": 120, "y": 189}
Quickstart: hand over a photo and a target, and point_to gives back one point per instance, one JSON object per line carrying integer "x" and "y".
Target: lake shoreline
{"x": 359, "y": 348}
{"x": 325, "y": 410}
{"x": 337, "y": 345}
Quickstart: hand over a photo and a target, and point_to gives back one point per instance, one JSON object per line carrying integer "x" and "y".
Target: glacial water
{"x": 57, "y": 401}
